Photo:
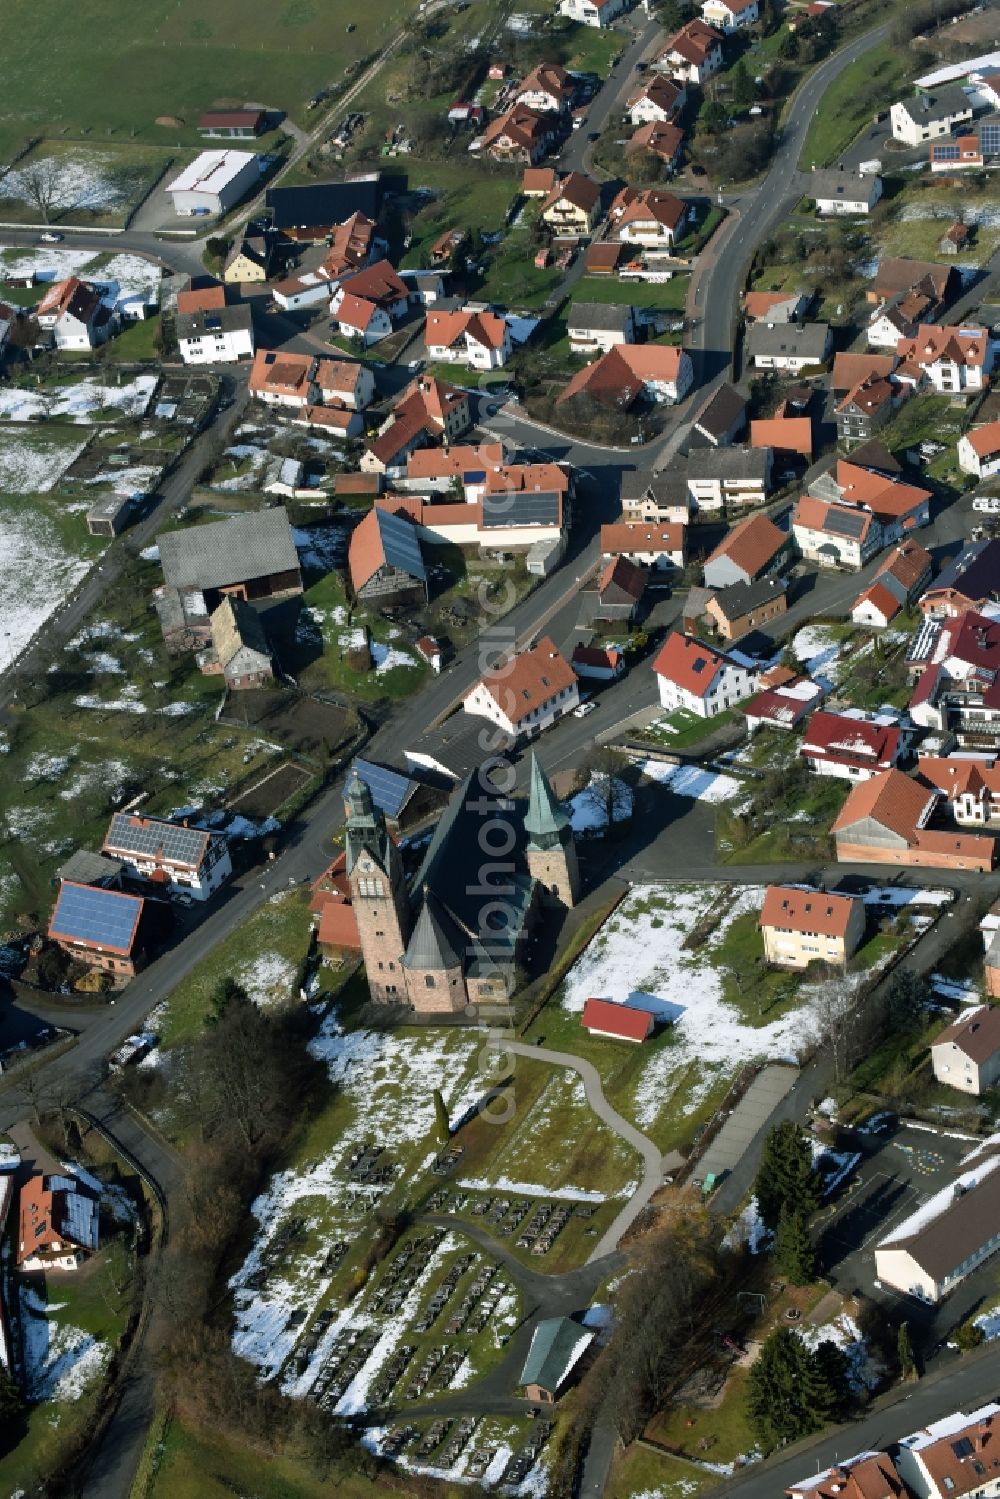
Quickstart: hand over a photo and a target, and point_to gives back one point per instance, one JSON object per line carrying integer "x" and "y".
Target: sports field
{"x": 110, "y": 69}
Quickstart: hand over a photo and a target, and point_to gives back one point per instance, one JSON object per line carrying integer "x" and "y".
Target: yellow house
{"x": 248, "y": 260}
{"x": 809, "y": 926}
{"x": 573, "y": 206}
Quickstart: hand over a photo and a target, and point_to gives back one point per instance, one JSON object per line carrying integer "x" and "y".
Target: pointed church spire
{"x": 545, "y": 820}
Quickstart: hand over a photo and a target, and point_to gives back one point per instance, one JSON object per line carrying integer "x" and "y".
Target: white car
{"x": 582, "y": 709}
{"x": 988, "y": 504}
{"x": 50, "y": 237}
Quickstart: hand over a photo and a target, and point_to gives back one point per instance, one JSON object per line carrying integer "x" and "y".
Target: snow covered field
{"x": 640, "y": 950}
{"x": 38, "y": 572}
{"x": 33, "y": 462}
{"x": 60, "y": 1360}
{"x": 78, "y": 402}
{"x": 79, "y": 179}
{"x": 692, "y": 780}
{"x": 591, "y": 810}
{"x": 819, "y": 651}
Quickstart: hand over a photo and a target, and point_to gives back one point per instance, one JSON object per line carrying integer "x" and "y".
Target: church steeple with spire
{"x": 551, "y": 846}
{"x": 378, "y": 893}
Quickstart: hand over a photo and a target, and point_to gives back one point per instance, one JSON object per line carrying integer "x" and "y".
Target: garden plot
{"x": 388, "y": 1083}
{"x": 640, "y": 951}
{"x": 33, "y": 461}
{"x": 82, "y": 402}
{"x": 39, "y": 568}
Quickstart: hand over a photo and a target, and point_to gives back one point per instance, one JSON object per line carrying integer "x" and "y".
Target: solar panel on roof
{"x": 846, "y": 523}
{"x": 401, "y": 544}
{"x": 473, "y": 476}
{"x": 179, "y": 844}
{"x": 989, "y": 136}
{"x": 946, "y": 153}
{"x": 521, "y": 507}
{"x": 89, "y": 914}
{"x": 390, "y": 789}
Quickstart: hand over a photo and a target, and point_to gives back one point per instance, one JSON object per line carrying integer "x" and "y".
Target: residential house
{"x": 958, "y": 687}
{"x": 728, "y": 479}
{"x": 214, "y": 182}
{"x": 723, "y": 417}
{"x": 789, "y": 437}
{"x": 58, "y": 1223}
{"x": 462, "y": 466}
{"x": 233, "y": 124}
{"x": 331, "y": 900}
{"x": 593, "y": 12}
{"x": 897, "y": 506}
{"x": 788, "y": 346}
{"x": 596, "y": 327}
{"x": 970, "y": 581}
{"x": 99, "y": 928}
{"x": 379, "y": 283}
{"x": 742, "y": 607}
{"x": 557, "y": 1343}
{"x": 871, "y": 1475}
{"x": 621, "y": 588}
{"x": 843, "y": 190}
{"x": 655, "y": 498}
{"x": 547, "y": 88}
{"x": 520, "y": 135}
{"x": 249, "y": 260}
{"x": 963, "y": 154}
{"x": 73, "y": 312}
{"x": 312, "y": 213}
{"x": 598, "y": 663}
{"x": 658, "y": 101}
{"x": 966, "y": 1054}
{"x": 344, "y": 382}
{"x": 663, "y": 141}
{"x": 901, "y": 578}
{"x": 865, "y": 409}
{"x": 446, "y": 409}
{"x": 480, "y": 340}
{"x": 852, "y": 745}
{"x": 979, "y": 451}
{"x": 572, "y": 207}
{"x": 240, "y": 649}
{"x": 649, "y": 545}
{"x": 900, "y": 317}
{"x": 835, "y": 535}
{"x": 527, "y": 694}
{"x": 951, "y": 359}
{"x": 251, "y": 555}
{"x": 954, "y": 239}
{"x": 429, "y": 650}
{"x": 926, "y": 1257}
{"x": 285, "y": 379}
{"x": 385, "y": 562}
{"x": 169, "y": 854}
{"x": 618, "y": 1022}
{"x": 693, "y": 54}
{"x": 223, "y": 335}
{"x": 656, "y": 372}
{"x": 776, "y": 306}
{"x": 697, "y": 677}
{"x": 650, "y": 217}
{"x": 754, "y": 548}
{"x": 956, "y": 1456}
{"x": 810, "y": 926}
{"x": 783, "y": 702}
{"x": 361, "y": 320}
{"x": 895, "y": 275}
{"x": 884, "y": 821}
{"x": 730, "y": 15}
{"x": 929, "y": 115}
{"x": 850, "y": 370}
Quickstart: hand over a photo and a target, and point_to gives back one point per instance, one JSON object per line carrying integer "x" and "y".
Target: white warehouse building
{"x": 214, "y": 182}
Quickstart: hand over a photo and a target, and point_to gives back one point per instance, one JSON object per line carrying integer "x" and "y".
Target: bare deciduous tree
{"x": 40, "y": 185}
{"x": 831, "y": 1008}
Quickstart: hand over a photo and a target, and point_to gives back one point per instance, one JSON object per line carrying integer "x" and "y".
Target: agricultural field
{"x": 169, "y": 61}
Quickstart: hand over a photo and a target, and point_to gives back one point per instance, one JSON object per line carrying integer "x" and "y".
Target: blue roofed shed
{"x": 557, "y": 1345}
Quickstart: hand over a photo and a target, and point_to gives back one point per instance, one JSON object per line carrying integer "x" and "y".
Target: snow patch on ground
{"x": 32, "y": 463}
{"x": 529, "y": 1189}
{"x": 38, "y": 572}
{"x": 593, "y": 808}
{"x": 388, "y": 657}
{"x": 864, "y": 1370}
{"x": 267, "y": 978}
{"x": 691, "y": 780}
{"x": 819, "y": 650}
{"x": 78, "y": 402}
{"x": 60, "y": 1361}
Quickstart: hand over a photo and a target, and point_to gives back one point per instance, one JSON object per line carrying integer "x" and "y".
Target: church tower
{"x": 378, "y": 893}
{"x": 551, "y": 846}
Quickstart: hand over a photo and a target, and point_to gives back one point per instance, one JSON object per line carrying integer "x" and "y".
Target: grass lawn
{"x": 137, "y": 342}
{"x": 173, "y": 59}
{"x": 512, "y": 278}
{"x": 680, "y": 730}
{"x": 662, "y": 296}
{"x": 642, "y": 1470}
{"x": 797, "y": 827}
{"x": 327, "y": 599}
{"x": 850, "y": 102}
{"x": 191, "y": 1467}
{"x": 725, "y": 1430}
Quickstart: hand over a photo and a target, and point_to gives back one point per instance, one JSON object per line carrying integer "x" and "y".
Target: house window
{"x": 429, "y": 981}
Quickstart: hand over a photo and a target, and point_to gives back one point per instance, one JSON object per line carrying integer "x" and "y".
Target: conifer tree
{"x": 794, "y": 1253}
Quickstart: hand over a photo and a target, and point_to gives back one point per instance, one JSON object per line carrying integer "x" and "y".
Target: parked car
{"x": 582, "y": 709}
{"x": 50, "y": 237}
{"x": 988, "y": 504}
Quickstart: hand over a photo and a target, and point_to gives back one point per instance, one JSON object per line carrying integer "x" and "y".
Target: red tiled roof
{"x": 788, "y": 434}
{"x": 338, "y": 926}
{"x": 595, "y": 655}
{"x": 976, "y": 1033}
{"x": 200, "y": 299}
{"x": 889, "y": 798}
{"x": 850, "y": 369}
{"x": 965, "y": 345}
{"x": 528, "y": 680}
{"x": 851, "y": 741}
{"x": 630, "y": 577}
{"x": 616, "y": 1019}
{"x": 880, "y": 598}
{"x": 985, "y": 441}
{"x": 816, "y": 911}
{"x": 625, "y": 537}
{"x": 619, "y": 375}
{"x": 688, "y": 663}
{"x": 752, "y": 544}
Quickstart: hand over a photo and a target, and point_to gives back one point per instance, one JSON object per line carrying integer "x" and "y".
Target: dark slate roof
{"x": 975, "y": 572}
{"x": 436, "y": 941}
{"x": 938, "y": 104}
{"x": 322, "y": 203}
{"x": 214, "y": 320}
{"x": 455, "y": 745}
{"x": 801, "y": 340}
{"x": 739, "y": 598}
{"x": 229, "y": 551}
{"x": 728, "y": 463}
{"x": 663, "y": 489}
{"x": 610, "y": 316}
{"x": 556, "y": 1344}
{"x": 941, "y": 1244}
{"x": 88, "y": 868}
{"x": 721, "y": 412}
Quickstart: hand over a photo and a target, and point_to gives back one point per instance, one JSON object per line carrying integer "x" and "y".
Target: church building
{"x": 456, "y": 935}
